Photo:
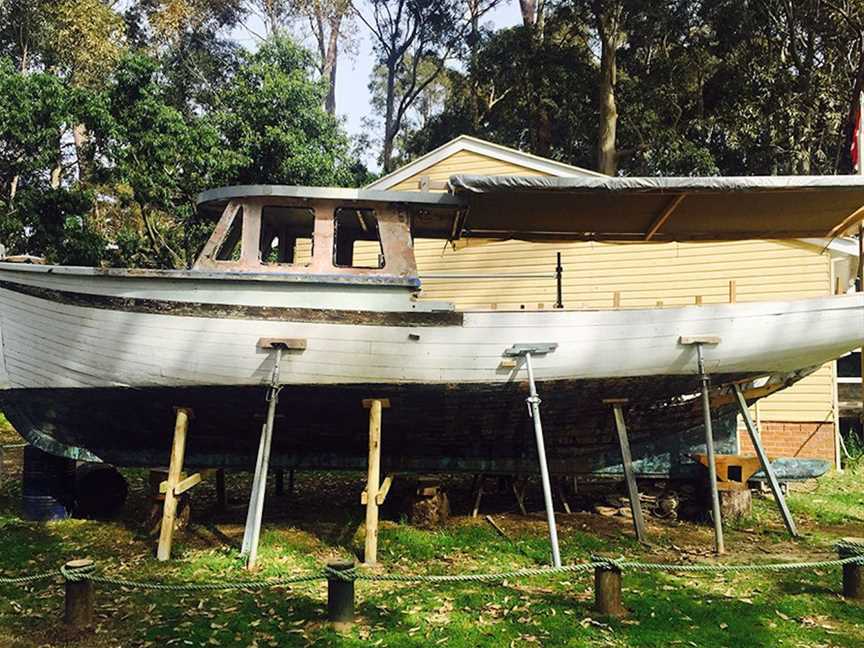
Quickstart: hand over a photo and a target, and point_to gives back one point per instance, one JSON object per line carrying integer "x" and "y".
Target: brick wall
{"x": 801, "y": 440}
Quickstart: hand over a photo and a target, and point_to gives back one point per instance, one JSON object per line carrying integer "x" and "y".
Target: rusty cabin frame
{"x": 259, "y": 227}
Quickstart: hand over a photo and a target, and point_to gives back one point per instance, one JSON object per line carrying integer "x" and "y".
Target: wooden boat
{"x": 94, "y": 360}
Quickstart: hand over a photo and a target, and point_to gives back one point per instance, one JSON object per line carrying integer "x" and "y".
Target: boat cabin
{"x": 354, "y": 234}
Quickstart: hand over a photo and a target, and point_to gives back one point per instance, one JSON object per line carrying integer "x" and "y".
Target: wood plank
{"x": 629, "y": 473}
{"x": 375, "y": 406}
{"x": 175, "y": 467}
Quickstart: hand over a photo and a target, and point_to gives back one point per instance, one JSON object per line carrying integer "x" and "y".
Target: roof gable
{"x": 512, "y": 156}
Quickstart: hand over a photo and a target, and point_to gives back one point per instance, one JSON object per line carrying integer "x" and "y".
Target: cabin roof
{"x": 216, "y": 198}
{"x": 538, "y": 208}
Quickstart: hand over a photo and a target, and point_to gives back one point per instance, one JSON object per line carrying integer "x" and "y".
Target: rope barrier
{"x": 89, "y": 573}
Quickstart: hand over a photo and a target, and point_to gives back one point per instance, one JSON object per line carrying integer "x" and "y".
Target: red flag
{"x": 854, "y": 148}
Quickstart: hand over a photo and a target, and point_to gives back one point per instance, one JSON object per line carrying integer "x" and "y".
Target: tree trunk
{"x": 389, "y": 126}
{"x": 329, "y": 62}
{"x": 608, "y": 28}
{"x": 529, "y": 12}
{"x": 607, "y": 155}
{"x": 85, "y": 163}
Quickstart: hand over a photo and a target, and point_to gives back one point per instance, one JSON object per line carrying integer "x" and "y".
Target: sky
{"x": 352, "y": 72}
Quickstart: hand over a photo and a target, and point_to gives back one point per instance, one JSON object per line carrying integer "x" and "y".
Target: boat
{"x": 96, "y": 360}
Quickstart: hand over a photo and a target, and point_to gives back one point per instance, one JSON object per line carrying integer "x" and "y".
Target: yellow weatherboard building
{"x": 800, "y": 421}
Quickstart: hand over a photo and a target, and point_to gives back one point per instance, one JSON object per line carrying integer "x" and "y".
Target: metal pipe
{"x": 273, "y": 398}
{"x": 559, "y": 283}
{"x": 709, "y": 445}
{"x": 766, "y": 463}
{"x": 534, "y": 409}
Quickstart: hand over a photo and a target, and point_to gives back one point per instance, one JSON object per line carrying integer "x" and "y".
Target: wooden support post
{"x": 853, "y": 573}
{"x": 373, "y": 480}
{"x": 627, "y": 460}
{"x": 733, "y": 292}
{"x": 340, "y": 597}
{"x": 764, "y": 461}
{"x": 175, "y": 468}
{"x": 698, "y": 300}
{"x": 78, "y": 608}
{"x": 616, "y": 299}
{"x": 481, "y": 481}
{"x": 607, "y": 591}
{"x": 221, "y": 498}
{"x": 519, "y": 492}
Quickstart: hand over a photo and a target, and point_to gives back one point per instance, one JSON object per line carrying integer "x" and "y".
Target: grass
{"x": 301, "y": 532}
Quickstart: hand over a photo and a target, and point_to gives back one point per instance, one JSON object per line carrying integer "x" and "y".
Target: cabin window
{"x": 286, "y": 235}
{"x": 357, "y": 241}
{"x": 229, "y": 250}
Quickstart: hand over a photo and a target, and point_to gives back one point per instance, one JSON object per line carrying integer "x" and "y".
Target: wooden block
{"x": 699, "y": 339}
{"x": 615, "y": 401}
{"x": 290, "y": 344}
{"x": 367, "y": 402}
{"x": 183, "y": 485}
{"x": 735, "y": 504}
{"x": 385, "y": 488}
{"x": 507, "y": 363}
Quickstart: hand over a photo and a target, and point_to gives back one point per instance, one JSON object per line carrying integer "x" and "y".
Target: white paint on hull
{"x": 48, "y": 344}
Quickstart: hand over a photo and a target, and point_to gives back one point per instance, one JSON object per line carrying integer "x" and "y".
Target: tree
{"x": 271, "y": 115}
{"x": 406, "y": 33}
{"x": 609, "y": 16}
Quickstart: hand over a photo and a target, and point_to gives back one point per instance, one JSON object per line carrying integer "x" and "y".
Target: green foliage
{"x": 734, "y": 88}
{"x": 270, "y": 114}
{"x": 149, "y": 151}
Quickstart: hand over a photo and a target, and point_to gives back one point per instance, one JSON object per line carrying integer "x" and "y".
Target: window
{"x": 357, "y": 240}
{"x": 229, "y": 250}
{"x": 286, "y": 235}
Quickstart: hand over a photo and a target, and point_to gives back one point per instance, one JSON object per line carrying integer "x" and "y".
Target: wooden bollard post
{"x": 340, "y": 596}
{"x": 78, "y": 609}
{"x": 607, "y": 591}
{"x": 853, "y": 573}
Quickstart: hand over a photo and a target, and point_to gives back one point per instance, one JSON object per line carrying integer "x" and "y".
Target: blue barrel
{"x": 47, "y": 487}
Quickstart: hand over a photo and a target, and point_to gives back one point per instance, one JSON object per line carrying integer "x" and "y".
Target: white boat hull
{"x": 100, "y": 339}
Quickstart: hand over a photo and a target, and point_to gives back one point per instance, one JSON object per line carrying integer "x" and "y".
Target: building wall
{"x": 643, "y": 275}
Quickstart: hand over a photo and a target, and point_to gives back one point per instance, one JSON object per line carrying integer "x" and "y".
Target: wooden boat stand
{"x": 525, "y": 351}
{"x": 374, "y": 494}
{"x": 174, "y": 485}
{"x": 627, "y": 460}
{"x": 699, "y": 342}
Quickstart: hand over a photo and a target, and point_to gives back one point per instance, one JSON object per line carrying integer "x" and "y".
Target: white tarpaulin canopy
{"x": 659, "y": 209}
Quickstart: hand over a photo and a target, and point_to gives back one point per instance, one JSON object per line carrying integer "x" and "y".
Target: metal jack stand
{"x": 533, "y": 400}
{"x": 252, "y": 533}
{"x": 699, "y": 341}
{"x": 766, "y": 464}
